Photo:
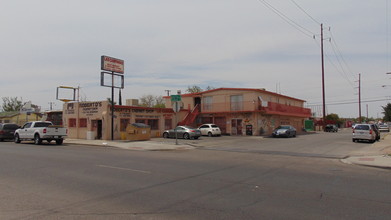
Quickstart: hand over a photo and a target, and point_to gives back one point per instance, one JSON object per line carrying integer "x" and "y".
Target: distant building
{"x": 235, "y": 111}
{"x": 19, "y": 118}
{"x": 241, "y": 111}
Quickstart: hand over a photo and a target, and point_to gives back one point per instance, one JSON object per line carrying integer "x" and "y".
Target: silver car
{"x": 384, "y": 127}
{"x": 210, "y": 130}
{"x": 284, "y": 131}
{"x": 185, "y": 132}
{"x": 363, "y": 132}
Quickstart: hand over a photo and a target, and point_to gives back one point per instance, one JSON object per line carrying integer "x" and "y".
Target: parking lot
{"x": 319, "y": 144}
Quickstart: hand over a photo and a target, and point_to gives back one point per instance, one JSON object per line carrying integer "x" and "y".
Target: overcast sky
{"x": 173, "y": 44}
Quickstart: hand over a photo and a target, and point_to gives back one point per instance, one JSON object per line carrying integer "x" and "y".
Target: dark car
{"x": 375, "y": 128}
{"x": 331, "y": 128}
{"x": 7, "y": 131}
{"x": 185, "y": 132}
{"x": 284, "y": 131}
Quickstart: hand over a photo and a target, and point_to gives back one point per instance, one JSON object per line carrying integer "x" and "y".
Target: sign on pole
{"x": 176, "y": 98}
{"x": 176, "y": 106}
{"x": 112, "y": 64}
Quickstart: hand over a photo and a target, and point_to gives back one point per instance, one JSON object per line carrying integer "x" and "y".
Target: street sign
{"x": 176, "y": 98}
{"x": 176, "y": 106}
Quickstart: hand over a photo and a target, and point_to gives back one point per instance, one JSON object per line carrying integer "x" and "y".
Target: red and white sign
{"x": 112, "y": 64}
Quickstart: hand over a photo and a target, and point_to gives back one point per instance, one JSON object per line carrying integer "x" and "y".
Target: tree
{"x": 334, "y": 117}
{"x": 387, "y": 112}
{"x": 11, "y": 104}
{"x": 152, "y": 101}
{"x": 159, "y": 102}
{"x": 197, "y": 89}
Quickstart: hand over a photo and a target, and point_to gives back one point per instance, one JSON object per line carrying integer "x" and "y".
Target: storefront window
{"x": 72, "y": 122}
{"x": 123, "y": 124}
{"x": 154, "y": 123}
{"x": 82, "y": 123}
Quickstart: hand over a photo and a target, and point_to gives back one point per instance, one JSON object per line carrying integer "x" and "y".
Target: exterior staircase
{"x": 191, "y": 116}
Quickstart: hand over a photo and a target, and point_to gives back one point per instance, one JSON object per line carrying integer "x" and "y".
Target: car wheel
{"x": 37, "y": 139}
{"x": 17, "y": 139}
{"x": 186, "y": 136}
{"x": 165, "y": 135}
{"x": 354, "y": 140}
{"x": 210, "y": 134}
{"x": 196, "y": 138}
{"x": 59, "y": 141}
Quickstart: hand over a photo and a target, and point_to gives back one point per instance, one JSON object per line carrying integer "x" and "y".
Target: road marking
{"x": 122, "y": 168}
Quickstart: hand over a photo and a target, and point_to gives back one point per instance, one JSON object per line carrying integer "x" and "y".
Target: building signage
{"x": 176, "y": 98}
{"x": 112, "y": 64}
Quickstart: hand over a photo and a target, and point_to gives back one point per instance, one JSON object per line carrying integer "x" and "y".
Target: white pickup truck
{"x": 40, "y": 130}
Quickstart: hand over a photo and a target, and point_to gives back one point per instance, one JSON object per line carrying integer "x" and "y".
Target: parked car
{"x": 364, "y": 132}
{"x": 39, "y": 131}
{"x": 7, "y": 131}
{"x": 384, "y": 127}
{"x": 210, "y": 130}
{"x": 284, "y": 131}
{"x": 331, "y": 128}
{"x": 376, "y": 130}
{"x": 185, "y": 132}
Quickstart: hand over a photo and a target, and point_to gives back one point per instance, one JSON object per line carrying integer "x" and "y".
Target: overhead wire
{"x": 288, "y": 20}
{"x": 305, "y": 12}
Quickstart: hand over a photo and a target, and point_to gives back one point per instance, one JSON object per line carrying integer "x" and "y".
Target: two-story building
{"x": 240, "y": 111}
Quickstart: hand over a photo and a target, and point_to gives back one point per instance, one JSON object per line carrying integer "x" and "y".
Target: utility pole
{"x": 323, "y": 89}
{"x": 359, "y": 98}
{"x": 168, "y": 92}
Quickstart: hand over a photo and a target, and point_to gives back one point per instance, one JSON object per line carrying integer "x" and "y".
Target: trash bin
{"x": 90, "y": 135}
{"x": 249, "y": 130}
{"x": 138, "y": 132}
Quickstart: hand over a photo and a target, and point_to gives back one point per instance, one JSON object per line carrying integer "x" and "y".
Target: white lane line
{"x": 121, "y": 168}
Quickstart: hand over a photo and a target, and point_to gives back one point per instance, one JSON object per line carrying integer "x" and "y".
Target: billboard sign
{"x": 112, "y": 64}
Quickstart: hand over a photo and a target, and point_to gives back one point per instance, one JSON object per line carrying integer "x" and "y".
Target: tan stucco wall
{"x": 93, "y": 112}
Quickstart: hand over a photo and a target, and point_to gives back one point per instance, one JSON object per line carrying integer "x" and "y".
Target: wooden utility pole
{"x": 359, "y": 97}
{"x": 323, "y": 87}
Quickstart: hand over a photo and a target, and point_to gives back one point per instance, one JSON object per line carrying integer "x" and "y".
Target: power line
{"x": 288, "y": 20}
{"x": 352, "y": 102}
{"x": 333, "y": 41}
{"x": 313, "y": 19}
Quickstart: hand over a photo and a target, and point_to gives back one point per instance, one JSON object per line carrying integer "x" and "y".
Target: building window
{"x": 123, "y": 124}
{"x": 236, "y": 103}
{"x": 82, "y": 123}
{"x": 154, "y": 123}
{"x": 207, "y": 102}
{"x": 167, "y": 124}
{"x": 72, "y": 123}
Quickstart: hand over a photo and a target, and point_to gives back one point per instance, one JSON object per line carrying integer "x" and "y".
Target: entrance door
{"x": 99, "y": 129}
{"x": 236, "y": 127}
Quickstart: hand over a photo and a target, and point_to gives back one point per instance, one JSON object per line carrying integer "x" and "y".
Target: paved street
{"x": 243, "y": 178}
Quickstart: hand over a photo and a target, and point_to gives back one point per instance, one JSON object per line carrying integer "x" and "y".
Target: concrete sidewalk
{"x": 150, "y": 145}
{"x": 375, "y": 155}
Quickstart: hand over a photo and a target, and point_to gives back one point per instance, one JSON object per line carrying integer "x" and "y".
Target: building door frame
{"x": 236, "y": 126}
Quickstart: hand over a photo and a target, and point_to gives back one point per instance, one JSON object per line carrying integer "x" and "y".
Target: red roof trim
{"x": 238, "y": 89}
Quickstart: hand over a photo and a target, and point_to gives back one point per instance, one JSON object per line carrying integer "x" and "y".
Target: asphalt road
{"x": 81, "y": 182}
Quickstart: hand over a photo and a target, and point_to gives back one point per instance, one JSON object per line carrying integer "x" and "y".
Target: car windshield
{"x": 214, "y": 126}
{"x": 283, "y": 127}
{"x": 362, "y": 127}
